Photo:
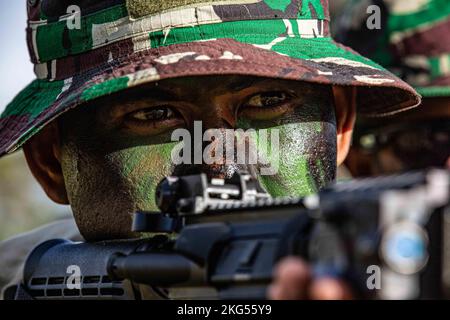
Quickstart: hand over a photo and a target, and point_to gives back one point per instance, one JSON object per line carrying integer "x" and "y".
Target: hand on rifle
{"x": 293, "y": 280}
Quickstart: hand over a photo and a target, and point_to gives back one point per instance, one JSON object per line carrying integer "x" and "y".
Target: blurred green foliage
{"x": 23, "y": 204}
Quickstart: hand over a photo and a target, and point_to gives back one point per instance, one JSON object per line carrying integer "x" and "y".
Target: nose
{"x": 211, "y": 120}
{"x": 213, "y": 152}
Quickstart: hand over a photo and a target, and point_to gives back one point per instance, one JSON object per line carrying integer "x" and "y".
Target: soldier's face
{"x": 116, "y": 150}
{"x": 413, "y": 140}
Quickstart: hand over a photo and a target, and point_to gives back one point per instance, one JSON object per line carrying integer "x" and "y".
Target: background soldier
{"x": 414, "y": 43}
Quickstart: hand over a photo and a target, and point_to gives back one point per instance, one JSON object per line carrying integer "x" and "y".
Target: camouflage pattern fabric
{"x": 122, "y": 44}
{"x": 414, "y": 41}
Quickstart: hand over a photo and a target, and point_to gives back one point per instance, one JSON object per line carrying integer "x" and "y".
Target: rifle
{"x": 220, "y": 239}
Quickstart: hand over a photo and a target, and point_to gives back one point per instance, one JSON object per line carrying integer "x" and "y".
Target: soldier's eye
{"x": 153, "y": 114}
{"x": 267, "y": 99}
{"x": 151, "y": 121}
{"x": 267, "y": 105}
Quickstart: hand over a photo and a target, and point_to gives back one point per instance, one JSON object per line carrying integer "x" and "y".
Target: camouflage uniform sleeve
{"x": 14, "y": 251}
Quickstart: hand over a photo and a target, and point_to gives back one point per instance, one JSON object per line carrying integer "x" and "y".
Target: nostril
{"x": 223, "y": 171}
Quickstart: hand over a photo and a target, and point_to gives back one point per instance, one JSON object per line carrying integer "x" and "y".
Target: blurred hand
{"x": 293, "y": 281}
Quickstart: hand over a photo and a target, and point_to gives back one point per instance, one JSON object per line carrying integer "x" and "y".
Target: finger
{"x": 275, "y": 292}
{"x": 330, "y": 289}
{"x": 291, "y": 279}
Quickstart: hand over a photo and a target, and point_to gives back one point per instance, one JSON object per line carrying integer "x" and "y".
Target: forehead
{"x": 191, "y": 87}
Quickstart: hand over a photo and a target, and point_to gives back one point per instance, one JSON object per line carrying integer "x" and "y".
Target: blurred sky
{"x": 23, "y": 204}
{"x": 15, "y": 66}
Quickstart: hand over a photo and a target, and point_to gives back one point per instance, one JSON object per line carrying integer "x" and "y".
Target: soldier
{"x": 96, "y": 124}
{"x": 414, "y": 43}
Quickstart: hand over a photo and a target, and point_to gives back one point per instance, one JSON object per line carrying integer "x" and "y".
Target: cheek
{"x": 307, "y": 159}
{"x": 140, "y": 169}
{"x": 307, "y": 149}
{"x": 105, "y": 189}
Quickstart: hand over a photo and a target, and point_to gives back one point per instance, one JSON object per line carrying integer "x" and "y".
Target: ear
{"x": 345, "y": 102}
{"x": 43, "y": 155}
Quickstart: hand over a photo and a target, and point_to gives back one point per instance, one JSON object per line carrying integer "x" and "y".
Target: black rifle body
{"x": 386, "y": 236}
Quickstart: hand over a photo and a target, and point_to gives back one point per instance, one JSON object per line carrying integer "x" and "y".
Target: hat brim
{"x": 436, "y": 88}
{"x": 320, "y": 61}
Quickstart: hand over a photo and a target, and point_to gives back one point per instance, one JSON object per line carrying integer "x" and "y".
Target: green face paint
{"x": 110, "y": 173}
{"x": 307, "y": 155}
{"x": 111, "y": 177}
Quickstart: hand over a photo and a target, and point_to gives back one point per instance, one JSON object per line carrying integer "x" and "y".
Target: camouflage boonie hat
{"x": 413, "y": 43}
{"x": 126, "y": 43}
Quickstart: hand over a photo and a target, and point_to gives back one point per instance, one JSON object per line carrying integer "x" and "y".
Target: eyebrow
{"x": 143, "y": 93}
{"x": 241, "y": 84}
